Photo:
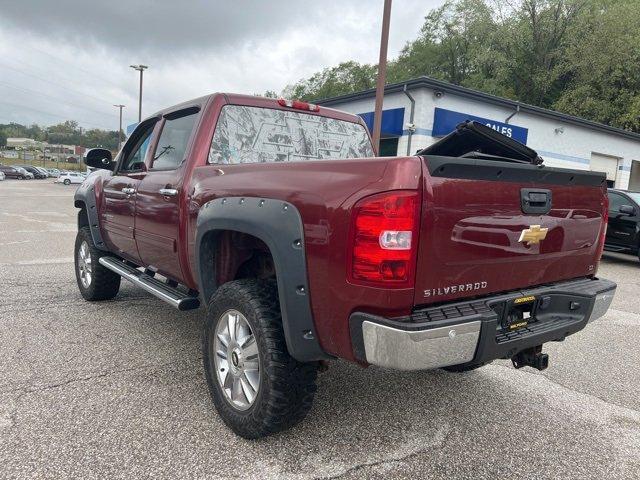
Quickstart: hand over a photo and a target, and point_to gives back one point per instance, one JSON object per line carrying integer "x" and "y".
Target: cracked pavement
{"x": 116, "y": 389}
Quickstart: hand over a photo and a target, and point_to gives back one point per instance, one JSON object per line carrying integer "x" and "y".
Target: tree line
{"x": 68, "y": 132}
{"x": 580, "y": 57}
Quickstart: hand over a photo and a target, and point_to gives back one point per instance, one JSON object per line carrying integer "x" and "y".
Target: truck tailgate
{"x": 479, "y": 230}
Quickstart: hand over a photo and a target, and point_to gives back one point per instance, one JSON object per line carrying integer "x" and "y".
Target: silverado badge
{"x": 532, "y": 235}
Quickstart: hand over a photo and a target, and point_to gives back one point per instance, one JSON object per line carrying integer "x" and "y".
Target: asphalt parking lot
{"x": 116, "y": 389}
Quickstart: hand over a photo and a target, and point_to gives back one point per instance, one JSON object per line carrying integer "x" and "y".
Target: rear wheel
{"x": 67, "y": 181}
{"x": 256, "y": 386}
{"x": 94, "y": 281}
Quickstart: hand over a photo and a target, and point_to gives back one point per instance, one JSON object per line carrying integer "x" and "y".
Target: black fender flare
{"x": 85, "y": 198}
{"x": 279, "y": 225}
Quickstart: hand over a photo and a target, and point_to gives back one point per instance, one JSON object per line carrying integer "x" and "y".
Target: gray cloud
{"x": 152, "y": 26}
{"x": 69, "y": 59}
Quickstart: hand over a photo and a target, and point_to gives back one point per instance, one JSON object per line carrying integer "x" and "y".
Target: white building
{"x": 418, "y": 112}
{"x": 22, "y": 143}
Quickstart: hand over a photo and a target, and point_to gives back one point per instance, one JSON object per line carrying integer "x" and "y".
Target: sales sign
{"x": 445, "y": 122}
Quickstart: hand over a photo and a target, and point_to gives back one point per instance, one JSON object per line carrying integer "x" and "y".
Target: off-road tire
{"x": 465, "y": 367}
{"x": 104, "y": 283}
{"x": 287, "y": 387}
{"x": 66, "y": 181}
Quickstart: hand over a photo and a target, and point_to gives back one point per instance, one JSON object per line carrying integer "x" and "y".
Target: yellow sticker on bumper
{"x": 520, "y": 300}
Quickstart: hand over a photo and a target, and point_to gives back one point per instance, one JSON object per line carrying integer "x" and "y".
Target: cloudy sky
{"x": 69, "y": 59}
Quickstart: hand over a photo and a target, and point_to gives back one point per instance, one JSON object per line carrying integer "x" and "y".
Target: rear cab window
{"x": 247, "y": 134}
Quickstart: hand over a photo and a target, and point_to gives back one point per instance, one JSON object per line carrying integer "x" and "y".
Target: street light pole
{"x": 120, "y": 127}
{"x": 382, "y": 74}
{"x": 141, "y": 68}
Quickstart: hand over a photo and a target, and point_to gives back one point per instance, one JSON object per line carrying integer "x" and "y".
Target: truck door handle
{"x": 129, "y": 190}
{"x": 168, "y": 192}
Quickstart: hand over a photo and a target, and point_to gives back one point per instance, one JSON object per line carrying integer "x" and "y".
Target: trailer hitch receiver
{"x": 531, "y": 357}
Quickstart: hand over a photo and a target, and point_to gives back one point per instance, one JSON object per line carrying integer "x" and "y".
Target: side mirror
{"x": 99, "y": 158}
{"x": 627, "y": 210}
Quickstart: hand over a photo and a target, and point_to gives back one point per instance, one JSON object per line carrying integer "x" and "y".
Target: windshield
{"x": 258, "y": 135}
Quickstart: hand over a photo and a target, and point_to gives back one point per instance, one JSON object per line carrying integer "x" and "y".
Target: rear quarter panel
{"x": 323, "y": 192}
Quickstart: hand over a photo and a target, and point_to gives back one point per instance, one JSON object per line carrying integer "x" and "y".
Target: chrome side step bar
{"x": 173, "y": 296}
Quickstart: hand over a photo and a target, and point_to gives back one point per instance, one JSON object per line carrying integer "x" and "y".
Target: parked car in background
{"x": 623, "y": 234}
{"x": 53, "y": 172}
{"x": 25, "y": 174}
{"x": 43, "y": 171}
{"x": 37, "y": 174}
{"x": 70, "y": 177}
{"x": 12, "y": 172}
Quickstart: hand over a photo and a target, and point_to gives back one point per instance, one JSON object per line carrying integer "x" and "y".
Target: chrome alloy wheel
{"x": 236, "y": 360}
{"x": 84, "y": 265}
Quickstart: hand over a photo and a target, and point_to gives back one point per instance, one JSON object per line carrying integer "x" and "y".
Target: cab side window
{"x": 616, "y": 201}
{"x": 174, "y": 139}
{"x": 135, "y": 151}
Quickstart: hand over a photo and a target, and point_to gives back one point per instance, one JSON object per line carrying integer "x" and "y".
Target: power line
{"x": 102, "y": 127}
{"x": 65, "y": 102}
{"x": 54, "y": 83}
{"x": 73, "y": 65}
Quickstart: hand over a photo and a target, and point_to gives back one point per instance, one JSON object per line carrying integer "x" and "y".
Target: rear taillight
{"x": 298, "y": 105}
{"x": 384, "y": 239}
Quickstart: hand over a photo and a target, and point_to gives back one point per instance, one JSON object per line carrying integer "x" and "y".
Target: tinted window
{"x": 172, "y": 145}
{"x": 616, "y": 201}
{"x": 253, "y": 134}
{"x": 135, "y": 150}
{"x": 635, "y": 196}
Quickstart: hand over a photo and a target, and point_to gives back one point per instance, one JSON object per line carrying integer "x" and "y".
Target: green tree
{"x": 452, "y": 45}
{"x": 603, "y": 65}
{"x": 533, "y": 40}
{"x": 345, "y": 78}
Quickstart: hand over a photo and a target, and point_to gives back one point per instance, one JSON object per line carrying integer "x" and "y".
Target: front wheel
{"x": 67, "y": 181}
{"x": 94, "y": 281}
{"x": 256, "y": 386}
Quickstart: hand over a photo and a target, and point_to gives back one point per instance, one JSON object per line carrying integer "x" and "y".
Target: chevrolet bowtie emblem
{"x": 532, "y": 235}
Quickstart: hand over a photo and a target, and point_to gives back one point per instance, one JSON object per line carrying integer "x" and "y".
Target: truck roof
{"x": 254, "y": 101}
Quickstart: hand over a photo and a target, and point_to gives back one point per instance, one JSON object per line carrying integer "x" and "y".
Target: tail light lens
{"x": 384, "y": 239}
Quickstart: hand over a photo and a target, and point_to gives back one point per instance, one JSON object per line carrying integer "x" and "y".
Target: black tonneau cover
{"x": 474, "y": 140}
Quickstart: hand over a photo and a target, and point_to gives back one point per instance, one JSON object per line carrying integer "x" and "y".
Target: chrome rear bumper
{"x": 477, "y": 335}
{"x": 422, "y": 349}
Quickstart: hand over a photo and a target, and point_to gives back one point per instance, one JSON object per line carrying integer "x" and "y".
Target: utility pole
{"x": 141, "y": 68}
{"x": 120, "y": 127}
{"x": 382, "y": 75}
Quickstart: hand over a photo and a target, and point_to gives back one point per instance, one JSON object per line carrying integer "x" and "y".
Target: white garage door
{"x": 606, "y": 164}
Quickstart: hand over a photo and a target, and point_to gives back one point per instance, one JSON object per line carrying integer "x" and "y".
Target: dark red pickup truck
{"x": 305, "y": 248}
